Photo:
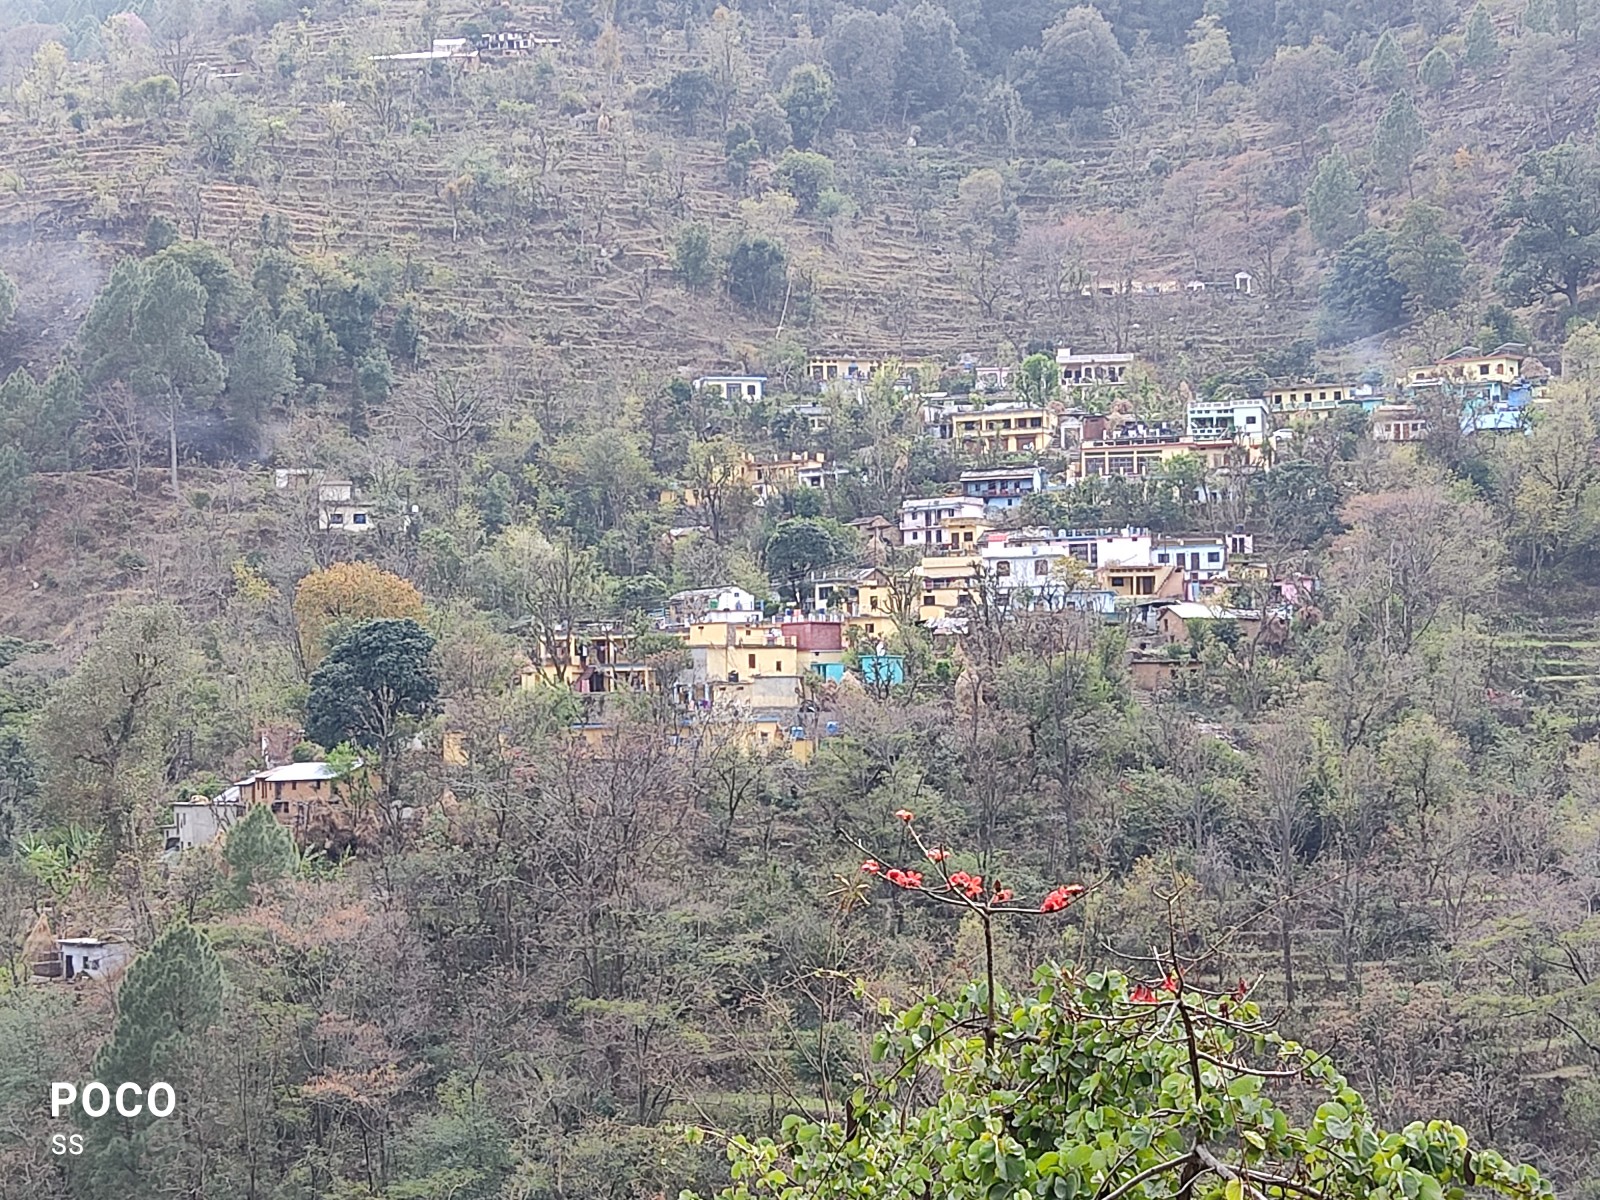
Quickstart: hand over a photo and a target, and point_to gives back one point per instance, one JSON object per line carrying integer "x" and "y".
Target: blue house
{"x": 883, "y": 668}
{"x": 1003, "y": 487}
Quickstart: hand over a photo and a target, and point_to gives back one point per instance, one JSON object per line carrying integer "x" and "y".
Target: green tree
{"x": 1386, "y": 68}
{"x": 146, "y": 327}
{"x": 1039, "y": 379}
{"x": 1428, "y": 261}
{"x": 1554, "y": 202}
{"x": 169, "y": 999}
{"x": 1054, "y": 1060}
{"x": 258, "y": 851}
{"x": 1397, "y": 140}
{"x": 1437, "y": 71}
{"x": 1335, "y": 210}
{"x": 805, "y": 175}
{"x": 1078, "y": 65}
{"x": 691, "y": 255}
{"x": 375, "y": 685}
{"x": 41, "y": 420}
{"x": 8, "y": 299}
{"x": 1298, "y": 502}
{"x": 807, "y": 99}
{"x": 1482, "y": 46}
{"x": 105, "y": 734}
{"x": 863, "y": 51}
{"x": 1209, "y": 55}
{"x": 800, "y": 545}
{"x": 227, "y": 296}
{"x": 261, "y": 372}
{"x": 757, "y": 273}
{"x": 1362, "y": 295}
{"x": 933, "y": 67}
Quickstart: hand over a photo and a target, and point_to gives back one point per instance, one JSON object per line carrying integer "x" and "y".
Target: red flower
{"x": 1142, "y": 995}
{"x": 1170, "y": 984}
{"x": 1002, "y": 895}
{"x": 1243, "y": 990}
{"x": 938, "y": 855}
{"x": 871, "y": 866}
{"x": 904, "y": 814}
{"x": 896, "y": 876}
{"x": 1061, "y": 897}
{"x": 960, "y": 879}
{"x": 913, "y": 878}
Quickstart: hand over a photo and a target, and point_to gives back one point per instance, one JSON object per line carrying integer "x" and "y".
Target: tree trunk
{"x": 172, "y": 443}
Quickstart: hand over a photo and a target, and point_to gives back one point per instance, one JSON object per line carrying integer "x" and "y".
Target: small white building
{"x": 91, "y": 958}
{"x": 922, "y": 521}
{"x": 1245, "y": 421}
{"x": 338, "y": 510}
{"x": 733, "y": 387}
{"x": 1092, "y": 370}
{"x": 730, "y": 604}
{"x": 200, "y": 821}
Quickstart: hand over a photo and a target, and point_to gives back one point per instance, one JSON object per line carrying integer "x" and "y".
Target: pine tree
{"x": 1386, "y": 68}
{"x": 258, "y": 851}
{"x": 1427, "y": 260}
{"x": 1334, "y": 208}
{"x": 1397, "y": 141}
{"x": 1482, "y": 43}
{"x": 171, "y": 996}
{"x": 261, "y": 374}
{"x": 1438, "y": 70}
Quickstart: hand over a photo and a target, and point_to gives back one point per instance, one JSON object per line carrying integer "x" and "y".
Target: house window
{"x": 929, "y": 599}
{"x": 1002, "y": 568}
{"x": 1338, "y": 395}
{"x": 335, "y": 518}
{"x": 872, "y": 603}
{"x": 1161, "y": 558}
{"x": 1041, "y": 567}
{"x": 1119, "y": 581}
{"x": 871, "y": 628}
{"x": 1214, "y": 556}
{"x": 777, "y": 666}
{"x": 1250, "y": 420}
{"x": 359, "y": 519}
{"x": 1483, "y": 368}
{"x": 752, "y": 662}
{"x": 1146, "y": 586}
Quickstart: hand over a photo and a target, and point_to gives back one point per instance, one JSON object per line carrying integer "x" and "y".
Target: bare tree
{"x": 451, "y": 413}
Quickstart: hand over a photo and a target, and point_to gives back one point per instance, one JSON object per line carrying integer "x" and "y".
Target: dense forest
{"x": 562, "y": 946}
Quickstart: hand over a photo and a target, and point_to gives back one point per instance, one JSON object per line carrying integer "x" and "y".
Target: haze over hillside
{"x": 913, "y": 600}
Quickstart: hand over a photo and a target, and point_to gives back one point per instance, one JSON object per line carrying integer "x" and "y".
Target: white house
{"x": 198, "y": 822}
{"x": 1091, "y": 370}
{"x": 1245, "y": 421}
{"x": 1050, "y": 570}
{"x": 730, "y": 604}
{"x": 1003, "y": 487}
{"x": 733, "y": 387}
{"x": 91, "y": 958}
{"x": 922, "y": 521}
{"x": 1201, "y": 557}
{"x": 338, "y": 510}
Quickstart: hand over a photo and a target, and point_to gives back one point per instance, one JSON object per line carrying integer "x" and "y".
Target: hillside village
{"x": 902, "y": 600}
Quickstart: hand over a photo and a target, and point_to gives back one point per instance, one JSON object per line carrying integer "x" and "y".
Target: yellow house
{"x": 1133, "y": 456}
{"x": 947, "y": 580}
{"x": 1471, "y": 365}
{"x": 827, "y": 368}
{"x": 965, "y": 531}
{"x": 1318, "y": 401}
{"x": 595, "y": 660}
{"x": 1004, "y": 429}
{"x": 1157, "y": 581}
